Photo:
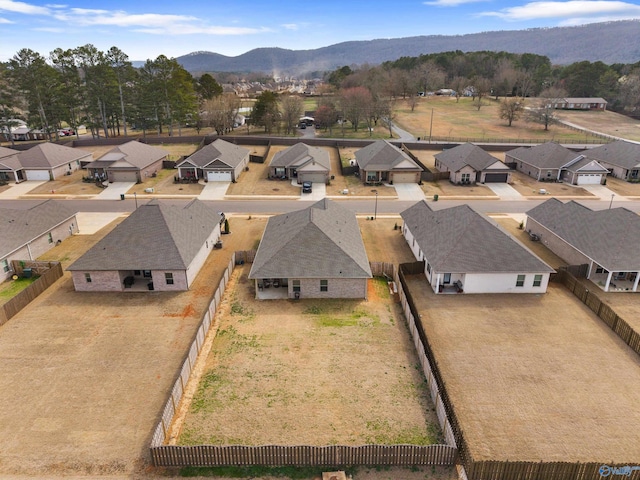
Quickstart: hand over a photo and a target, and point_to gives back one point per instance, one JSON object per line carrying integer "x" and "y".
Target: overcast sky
{"x": 144, "y": 29}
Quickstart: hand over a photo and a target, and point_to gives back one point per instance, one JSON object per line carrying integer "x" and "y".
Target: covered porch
{"x": 271, "y": 288}
{"x": 610, "y": 281}
{"x": 448, "y": 283}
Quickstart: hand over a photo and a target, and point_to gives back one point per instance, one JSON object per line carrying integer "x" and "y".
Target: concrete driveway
{"x": 504, "y": 191}
{"x": 604, "y": 193}
{"x": 16, "y": 190}
{"x": 318, "y": 192}
{"x": 214, "y": 191}
{"x": 114, "y": 190}
{"x": 409, "y": 191}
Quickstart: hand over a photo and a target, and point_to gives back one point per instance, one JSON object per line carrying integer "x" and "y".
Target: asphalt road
{"x": 363, "y": 207}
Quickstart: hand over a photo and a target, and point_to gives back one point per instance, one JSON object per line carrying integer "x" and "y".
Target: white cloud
{"x": 290, "y": 26}
{"x": 22, "y": 7}
{"x": 178, "y": 29}
{"x": 5, "y": 21}
{"x": 572, "y": 10}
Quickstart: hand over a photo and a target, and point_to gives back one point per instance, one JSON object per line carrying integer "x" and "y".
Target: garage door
{"x": 38, "y": 175}
{"x": 123, "y": 176}
{"x": 586, "y": 179}
{"x": 219, "y": 176}
{"x": 312, "y": 177}
{"x": 496, "y": 177}
{"x": 404, "y": 178}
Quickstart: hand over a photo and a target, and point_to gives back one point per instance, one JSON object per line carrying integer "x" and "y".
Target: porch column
{"x": 635, "y": 284}
{"x": 606, "y": 286}
{"x": 590, "y": 269}
{"x": 437, "y": 289}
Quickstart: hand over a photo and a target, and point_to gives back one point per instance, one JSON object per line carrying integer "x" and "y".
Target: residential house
{"x": 580, "y": 103}
{"x": 307, "y": 164}
{"x": 621, "y": 158}
{"x": 552, "y": 162}
{"x": 10, "y": 166}
{"x": 130, "y": 162}
{"x": 469, "y": 164}
{"x": 48, "y": 161}
{"x": 316, "y": 252}
{"x": 466, "y": 252}
{"x": 605, "y": 240}
{"x": 27, "y": 234}
{"x": 159, "y": 247}
{"x": 220, "y": 161}
{"x": 382, "y": 162}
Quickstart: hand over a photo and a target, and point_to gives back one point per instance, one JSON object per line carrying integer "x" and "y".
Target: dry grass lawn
{"x": 163, "y": 184}
{"x": 530, "y": 187}
{"x": 255, "y": 181}
{"x": 67, "y": 185}
{"x": 85, "y": 375}
{"x": 625, "y": 189}
{"x": 310, "y": 372}
{"x": 607, "y": 122}
{"x": 534, "y": 377}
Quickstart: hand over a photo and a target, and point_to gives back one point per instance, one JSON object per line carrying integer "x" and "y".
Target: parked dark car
{"x": 306, "y": 187}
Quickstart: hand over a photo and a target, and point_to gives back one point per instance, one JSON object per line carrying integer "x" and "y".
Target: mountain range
{"x": 610, "y": 42}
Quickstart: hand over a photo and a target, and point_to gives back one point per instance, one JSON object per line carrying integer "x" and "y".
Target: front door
{"x": 447, "y": 279}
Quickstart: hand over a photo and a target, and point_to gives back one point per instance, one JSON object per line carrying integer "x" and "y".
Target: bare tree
{"x": 544, "y": 111}
{"x": 429, "y": 76}
{"x": 220, "y": 112}
{"x": 292, "y": 108}
{"x": 505, "y": 78}
{"x": 356, "y": 104}
{"x": 458, "y": 84}
{"x": 511, "y": 109}
{"x": 481, "y": 87}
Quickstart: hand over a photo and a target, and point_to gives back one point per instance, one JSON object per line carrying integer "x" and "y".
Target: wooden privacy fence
{"x": 304, "y": 455}
{"x": 497, "y": 469}
{"x": 616, "y": 323}
{"x": 170, "y": 408}
{"x": 49, "y": 272}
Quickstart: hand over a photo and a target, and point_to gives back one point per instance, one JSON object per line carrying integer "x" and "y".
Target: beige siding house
{"x": 465, "y": 252}
{"x": 220, "y": 161}
{"x": 48, "y": 161}
{"x": 382, "y": 162}
{"x": 317, "y": 252}
{"x": 130, "y": 162}
{"x": 27, "y": 234}
{"x": 300, "y": 161}
{"x": 621, "y": 158}
{"x": 158, "y": 247}
{"x": 468, "y": 164}
{"x": 10, "y": 166}
{"x": 605, "y": 240}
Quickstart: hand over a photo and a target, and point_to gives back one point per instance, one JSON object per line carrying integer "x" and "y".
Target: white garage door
{"x": 38, "y": 175}
{"x": 589, "y": 179}
{"x": 219, "y": 176}
{"x": 404, "y": 178}
{"x": 123, "y": 176}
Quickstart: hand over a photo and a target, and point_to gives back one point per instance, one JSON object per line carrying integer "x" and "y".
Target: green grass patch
{"x": 11, "y": 288}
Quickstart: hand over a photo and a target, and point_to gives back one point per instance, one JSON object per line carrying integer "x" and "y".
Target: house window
{"x": 537, "y": 280}
{"x": 599, "y": 270}
{"x": 372, "y": 176}
{"x": 466, "y": 177}
{"x": 5, "y": 265}
{"x": 520, "y": 280}
{"x": 447, "y": 279}
{"x": 324, "y": 285}
{"x": 136, "y": 273}
{"x": 50, "y": 237}
{"x": 87, "y": 277}
{"x": 296, "y": 285}
{"x": 146, "y": 273}
{"x": 428, "y": 268}
{"x": 279, "y": 171}
{"x": 168, "y": 277}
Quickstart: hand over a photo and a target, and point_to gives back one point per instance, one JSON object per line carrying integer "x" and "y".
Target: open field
{"x": 463, "y": 120}
{"x": 607, "y": 122}
{"x": 534, "y": 377}
{"x": 85, "y": 375}
{"x": 310, "y": 372}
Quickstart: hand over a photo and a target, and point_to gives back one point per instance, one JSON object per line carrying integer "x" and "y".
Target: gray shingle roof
{"x": 156, "y": 236}
{"x": 466, "y": 154}
{"x": 460, "y": 240}
{"x": 619, "y": 153}
{"x": 226, "y": 152}
{"x": 131, "y": 154}
{"x": 9, "y": 160}
{"x": 609, "y": 237}
{"x": 381, "y": 156}
{"x": 301, "y": 154}
{"x": 321, "y": 241}
{"x": 546, "y": 155}
{"x": 50, "y": 155}
{"x": 19, "y": 226}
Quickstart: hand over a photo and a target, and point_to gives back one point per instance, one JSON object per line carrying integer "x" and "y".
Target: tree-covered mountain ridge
{"x": 609, "y": 42}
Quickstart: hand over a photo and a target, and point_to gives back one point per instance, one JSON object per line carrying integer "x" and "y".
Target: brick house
{"x": 382, "y": 162}
{"x": 469, "y": 164}
{"x": 130, "y": 162}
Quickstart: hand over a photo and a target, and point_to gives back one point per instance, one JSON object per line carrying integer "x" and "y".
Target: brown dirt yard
{"x": 85, "y": 375}
{"x": 534, "y": 377}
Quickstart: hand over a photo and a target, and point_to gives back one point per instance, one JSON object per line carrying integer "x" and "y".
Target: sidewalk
{"x": 17, "y": 190}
